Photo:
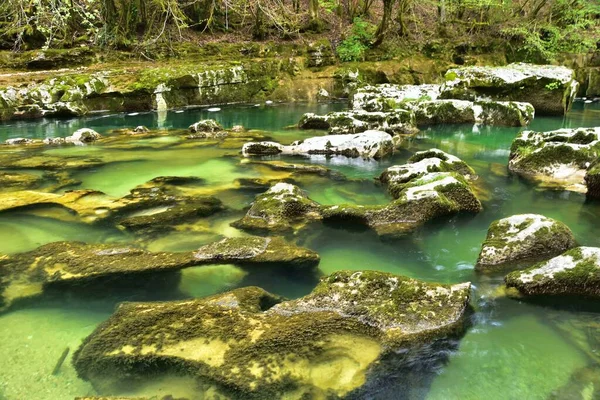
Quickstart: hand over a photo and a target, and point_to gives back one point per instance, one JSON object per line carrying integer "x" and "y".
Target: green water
{"x": 512, "y": 351}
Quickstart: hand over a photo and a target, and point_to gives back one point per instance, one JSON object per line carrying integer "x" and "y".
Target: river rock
{"x": 503, "y": 113}
{"x": 257, "y": 250}
{"x": 208, "y": 126}
{"x": 344, "y": 122}
{"x": 522, "y": 239}
{"x": 84, "y": 135}
{"x": 592, "y": 181}
{"x": 420, "y": 164}
{"x": 422, "y": 199}
{"x": 19, "y": 181}
{"x": 368, "y": 144}
{"x": 171, "y": 211}
{"x": 387, "y": 97}
{"x": 75, "y": 264}
{"x": 250, "y": 344}
{"x": 550, "y": 89}
{"x": 561, "y": 156}
{"x": 18, "y": 141}
{"x": 574, "y": 273}
{"x": 283, "y": 207}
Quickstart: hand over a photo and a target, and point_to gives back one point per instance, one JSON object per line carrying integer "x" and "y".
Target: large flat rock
{"x": 249, "y": 344}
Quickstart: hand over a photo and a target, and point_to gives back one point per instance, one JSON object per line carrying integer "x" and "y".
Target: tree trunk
{"x": 388, "y": 6}
{"x": 313, "y": 7}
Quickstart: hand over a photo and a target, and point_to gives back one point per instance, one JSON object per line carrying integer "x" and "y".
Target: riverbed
{"x": 513, "y": 350}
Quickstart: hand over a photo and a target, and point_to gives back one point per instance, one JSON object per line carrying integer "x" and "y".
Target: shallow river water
{"x": 513, "y": 350}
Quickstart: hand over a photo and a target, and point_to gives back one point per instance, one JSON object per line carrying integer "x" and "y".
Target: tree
{"x": 388, "y": 6}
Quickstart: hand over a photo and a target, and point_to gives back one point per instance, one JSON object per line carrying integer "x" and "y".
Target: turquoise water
{"x": 513, "y": 350}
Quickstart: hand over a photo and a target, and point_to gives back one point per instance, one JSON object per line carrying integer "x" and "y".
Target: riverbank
{"x": 76, "y": 82}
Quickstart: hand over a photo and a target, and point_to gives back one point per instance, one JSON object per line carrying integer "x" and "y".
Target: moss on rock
{"x": 420, "y": 164}
{"x": 550, "y": 89}
{"x": 561, "y": 156}
{"x": 249, "y": 344}
{"x": 523, "y": 239}
{"x": 574, "y": 273}
{"x": 281, "y": 208}
{"x": 421, "y": 200}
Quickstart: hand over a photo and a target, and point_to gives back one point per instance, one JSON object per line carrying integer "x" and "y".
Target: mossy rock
{"x": 560, "y": 157}
{"x": 183, "y": 209}
{"x": 266, "y": 251}
{"x": 367, "y": 144}
{"x": 575, "y": 273}
{"x": 522, "y": 240}
{"x": 19, "y": 181}
{"x": 251, "y": 344}
{"x": 421, "y": 200}
{"x": 69, "y": 265}
{"x": 283, "y": 207}
{"x": 550, "y": 89}
{"x": 388, "y": 97}
{"x": 347, "y": 122}
{"x": 420, "y": 164}
{"x": 592, "y": 181}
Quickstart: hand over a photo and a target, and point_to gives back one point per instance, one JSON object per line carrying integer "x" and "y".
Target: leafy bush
{"x": 353, "y": 47}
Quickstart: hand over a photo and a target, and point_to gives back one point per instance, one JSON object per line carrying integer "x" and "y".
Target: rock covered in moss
{"x": 208, "y": 126}
{"x": 174, "y": 210}
{"x": 422, "y": 199}
{"x": 573, "y": 273}
{"x": 249, "y": 344}
{"x": 503, "y": 113}
{"x": 68, "y": 265}
{"x": 420, "y": 164}
{"x": 19, "y": 181}
{"x": 561, "y": 156}
{"x": 18, "y": 141}
{"x": 592, "y": 181}
{"x": 257, "y": 250}
{"x": 522, "y": 239}
{"x": 345, "y": 122}
{"x": 63, "y": 96}
{"x": 283, "y": 207}
{"x": 84, "y": 135}
{"x": 368, "y": 144}
{"x": 550, "y": 89}
{"x": 388, "y": 97}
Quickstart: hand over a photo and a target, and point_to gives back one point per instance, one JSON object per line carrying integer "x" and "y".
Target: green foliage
{"x": 553, "y": 86}
{"x": 329, "y": 5}
{"x": 567, "y": 29}
{"x": 354, "y": 46}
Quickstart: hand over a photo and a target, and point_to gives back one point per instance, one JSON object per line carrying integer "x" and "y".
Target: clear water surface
{"x": 513, "y": 350}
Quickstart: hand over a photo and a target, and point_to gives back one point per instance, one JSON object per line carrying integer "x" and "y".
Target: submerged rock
{"x": 574, "y": 273}
{"x": 420, "y": 164}
{"x": 368, "y": 144}
{"x": 388, "y": 97}
{"x": 522, "y": 239}
{"x": 257, "y": 250}
{"x": 422, "y": 199}
{"x": 550, "y": 89}
{"x": 316, "y": 169}
{"x": 73, "y": 264}
{"x": 247, "y": 343}
{"x": 345, "y": 122}
{"x": 282, "y": 207}
{"x": 561, "y": 156}
{"x": 171, "y": 212}
{"x": 19, "y": 181}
